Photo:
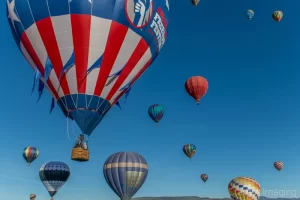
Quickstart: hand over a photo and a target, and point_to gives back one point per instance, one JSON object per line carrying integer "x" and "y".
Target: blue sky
{"x": 248, "y": 119}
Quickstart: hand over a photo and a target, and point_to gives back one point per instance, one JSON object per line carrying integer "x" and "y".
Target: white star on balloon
{"x": 11, "y": 12}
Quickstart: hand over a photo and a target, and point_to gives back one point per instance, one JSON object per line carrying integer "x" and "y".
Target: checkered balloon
{"x": 244, "y": 188}
{"x": 278, "y": 165}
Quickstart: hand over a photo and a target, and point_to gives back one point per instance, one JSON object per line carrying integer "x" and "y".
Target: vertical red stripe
{"x": 29, "y": 151}
{"x": 134, "y": 79}
{"x": 81, "y": 25}
{"x": 47, "y": 34}
{"x": 137, "y": 54}
{"x": 162, "y": 16}
{"x": 27, "y": 45}
{"x": 115, "y": 40}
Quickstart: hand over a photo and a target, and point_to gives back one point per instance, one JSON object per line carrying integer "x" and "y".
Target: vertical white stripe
{"x": 139, "y": 66}
{"x": 38, "y": 46}
{"x": 129, "y": 44}
{"x": 63, "y": 33}
{"x": 98, "y": 37}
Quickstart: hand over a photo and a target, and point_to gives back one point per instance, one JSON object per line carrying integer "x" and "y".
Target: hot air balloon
{"x": 277, "y": 15}
{"x": 204, "y": 177}
{"x": 189, "y": 150}
{"x": 196, "y": 87}
{"x": 125, "y": 173}
{"x": 195, "y": 2}
{"x": 278, "y": 165}
{"x": 249, "y": 14}
{"x": 54, "y": 175}
{"x": 88, "y": 53}
{"x": 156, "y": 112}
{"x": 30, "y": 154}
{"x": 32, "y": 197}
{"x": 244, "y": 188}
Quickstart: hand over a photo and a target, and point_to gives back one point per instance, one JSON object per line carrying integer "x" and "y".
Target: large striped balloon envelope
{"x": 125, "y": 173}
{"x": 88, "y": 53}
{"x": 244, "y": 188}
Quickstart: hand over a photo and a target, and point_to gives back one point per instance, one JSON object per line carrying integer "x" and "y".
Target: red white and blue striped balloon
{"x": 88, "y": 52}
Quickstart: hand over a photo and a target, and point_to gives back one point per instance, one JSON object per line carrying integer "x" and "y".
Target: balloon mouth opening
{"x": 86, "y": 119}
{"x": 84, "y": 102}
{"x": 87, "y": 112}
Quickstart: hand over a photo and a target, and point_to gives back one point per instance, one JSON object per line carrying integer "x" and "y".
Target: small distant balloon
{"x": 244, "y": 188}
{"x": 32, "y": 197}
{"x": 204, "y": 177}
{"x": 277, "y": 15}
{"x": 249, "y": 14}
{"x": 156, "y": 112}
{"x": 189, "y": 150}
{"x": 30, "y": 154}
{"x": 196, "y": 87}
{"x": 195, "y": 2}
{"x": 278, "y": 165}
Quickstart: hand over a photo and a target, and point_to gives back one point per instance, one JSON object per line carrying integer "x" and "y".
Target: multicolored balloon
{"x": 278, "y": 165}
{"x": 54, "y": 175}
{"x": 249, "y": 14}
{"x": 88, "y": 53}
{"x": 156, "y": 112}
{"x": 125, "y": 173}
{"x": 277, "y": 15}
{"x": 244, "y": 188}
{"x": 189, "y": 150}
{"x": 204, "y": 177}
{"x": 195, "y": 2}
{"x": 30, "y": 154}
{"x": 32, "y": 197}
{"x": 196, "y": 87}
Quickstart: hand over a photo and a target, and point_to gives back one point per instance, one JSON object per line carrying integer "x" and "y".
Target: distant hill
{"x": 204, "y": 198}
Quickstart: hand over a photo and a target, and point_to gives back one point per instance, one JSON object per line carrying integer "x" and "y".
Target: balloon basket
{"x": 80, "y": 154}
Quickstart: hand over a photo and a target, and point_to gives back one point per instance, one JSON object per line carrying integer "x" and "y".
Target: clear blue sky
{"x": 248, "y": 119}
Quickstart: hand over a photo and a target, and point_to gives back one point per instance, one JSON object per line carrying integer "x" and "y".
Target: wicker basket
{"x": 80, "y": 154}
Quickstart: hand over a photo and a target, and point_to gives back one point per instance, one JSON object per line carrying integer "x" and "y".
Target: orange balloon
{"x": 196, "y": 87}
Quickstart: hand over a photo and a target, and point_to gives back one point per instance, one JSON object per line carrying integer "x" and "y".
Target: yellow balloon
{"x": 244, "y": 188}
